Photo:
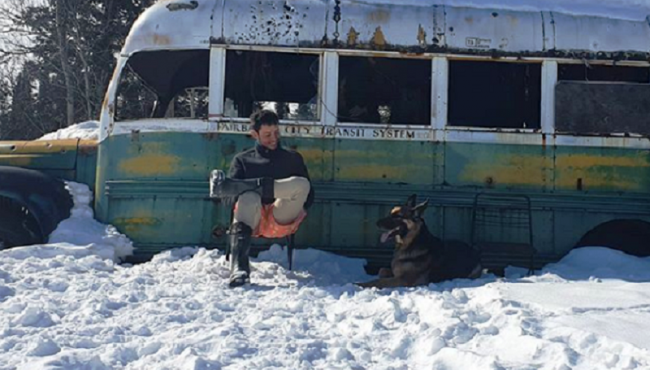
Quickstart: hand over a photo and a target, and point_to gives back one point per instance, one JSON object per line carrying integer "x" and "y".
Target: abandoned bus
{"x": 526, "y": 130}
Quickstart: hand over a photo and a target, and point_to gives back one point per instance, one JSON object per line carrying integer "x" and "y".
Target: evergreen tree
{"x": 70, "y": 46}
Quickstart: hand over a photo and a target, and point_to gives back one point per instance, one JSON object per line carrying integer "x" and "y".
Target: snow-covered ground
{"x": 68, "y": 305}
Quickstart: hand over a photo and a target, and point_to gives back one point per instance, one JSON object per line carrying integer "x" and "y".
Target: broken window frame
{"x": 128, "y": 72}
{"x": 538, "y": 99}
{"x": 219, "y": 63}
{"x": 158, "y": 112}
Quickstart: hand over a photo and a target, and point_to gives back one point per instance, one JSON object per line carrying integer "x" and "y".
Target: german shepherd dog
{"x": 421, "y": 258}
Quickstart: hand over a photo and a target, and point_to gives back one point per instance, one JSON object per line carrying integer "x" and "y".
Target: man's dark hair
{"x": 264, "y": 117}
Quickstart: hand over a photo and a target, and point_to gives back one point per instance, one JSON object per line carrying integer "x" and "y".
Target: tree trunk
{"x": 65, "y": 66}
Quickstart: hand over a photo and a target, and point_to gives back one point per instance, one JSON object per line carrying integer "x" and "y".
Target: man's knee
{"x": 247, "y": 211}
{"x": 249, "y": 199}
{"x": 301, "y": 185}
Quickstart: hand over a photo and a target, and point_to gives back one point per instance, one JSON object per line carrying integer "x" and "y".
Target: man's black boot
{"x": 224, "y": 187}
{"x": 240, "y": 245}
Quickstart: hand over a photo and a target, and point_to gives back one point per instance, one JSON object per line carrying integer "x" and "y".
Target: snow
{"x": 69, "y": 305}
{"x": 88, "y": 130}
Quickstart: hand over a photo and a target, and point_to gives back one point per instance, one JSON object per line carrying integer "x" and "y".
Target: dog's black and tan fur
{"x": 421, "y": 258}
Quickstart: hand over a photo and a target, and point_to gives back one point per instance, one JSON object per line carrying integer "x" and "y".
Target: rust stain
{"x": 88, "y": 143}
{"x": 210, "y": 136}
{"x": 161, "y": 39}
{"x": 353, "y": 36}
{"x": 469, "y": 20}
{"x": 379, "y": 16}
{"x": 508, "y": 169}
{"x": 87, "y": 147}
{"x": 514, "y": 21}
{"x": 378, "y": 38}
{"x": 422, "y": 36}
{"x": 38, "y": 147}
{"x": 584, "y": 161}
{"x": 150, "y": 164}
{"x": 17, "y": 160}
{"x": 132, "y": 225}
{"x": 375, "y": 172}
{"x": 600, "y": 172}
{"x": 315, "y": 154}
{"x": 596, "y": 171}
{"x": 377, "y": 155}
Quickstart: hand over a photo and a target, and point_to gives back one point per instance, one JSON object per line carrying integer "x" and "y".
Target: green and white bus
{"x": 524, "y": 129}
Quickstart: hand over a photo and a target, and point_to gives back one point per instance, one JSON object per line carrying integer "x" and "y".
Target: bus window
{"x": 494, "y": 94}
{"x": 586, "y": 72}
{"x": 161, "y": 84}
{"x": 135, "y": 100}
{"x": 190, "y": 103}
{"x": 284, "y": 82}
{"x": 602, "y": 108}
{"x": 384, "y": 90}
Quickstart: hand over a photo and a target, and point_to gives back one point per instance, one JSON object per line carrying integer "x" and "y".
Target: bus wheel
{"x": 629, "y": 236}
{"x": 17, "y": 226}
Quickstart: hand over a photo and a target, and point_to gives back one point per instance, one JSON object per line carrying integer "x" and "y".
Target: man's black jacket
{"x": 277, "y": 164}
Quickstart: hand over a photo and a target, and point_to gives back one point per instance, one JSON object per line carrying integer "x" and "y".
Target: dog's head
{"x": 404, "y": 222}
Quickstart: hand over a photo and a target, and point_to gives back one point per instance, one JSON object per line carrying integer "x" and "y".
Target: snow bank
{"x": 88, "y": 130}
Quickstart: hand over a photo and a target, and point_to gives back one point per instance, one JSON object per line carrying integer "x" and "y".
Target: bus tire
{"x": 628, "y": 236}
{"x": 17, "y": 226}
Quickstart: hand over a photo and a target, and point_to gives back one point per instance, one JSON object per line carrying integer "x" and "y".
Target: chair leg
{"x": 531, "y": 268}
{"x": 290, "y": 246}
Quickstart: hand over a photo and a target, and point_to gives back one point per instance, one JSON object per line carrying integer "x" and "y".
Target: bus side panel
{"x": 318, "y": 155}
{"x": 383, "y": 161}
{"x": 498, "y": 166}
{"x": 594, "y": 169}
{"x": 154, "y": 186}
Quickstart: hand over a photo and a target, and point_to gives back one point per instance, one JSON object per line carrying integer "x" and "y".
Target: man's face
{"x": 268, "y": 136}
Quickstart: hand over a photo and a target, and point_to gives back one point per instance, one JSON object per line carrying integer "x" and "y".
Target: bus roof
{"x": 382, "y": 25}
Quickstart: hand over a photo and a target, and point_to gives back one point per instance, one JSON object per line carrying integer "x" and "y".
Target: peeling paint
{"x": 161, "y": 40}
{"x": 507, "y": 170}
{"x": 133, "y": 225}
{"x": 379, "y": 16}
{"x": 594, "y": 172}
{"x": 17, "y": 160}
{"x": 376, "y": 172}
{"x": 601, "y": 172}
{"x": 150, "y": 164}
{"x": 173, "y": 7}
{"x": 353, "y": 35}
{"x": 39, "y": 146}
{"x": 378, "y": 39}
{"x": 585, "y": 161}
{"x": 422, "y": 36}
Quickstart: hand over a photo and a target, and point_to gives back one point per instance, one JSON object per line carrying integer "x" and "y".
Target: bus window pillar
{"x": 329, "y": 88}
{"x": 217, "y": 82}
{"x": 549, "y": 79}
{"x": 439, "y": 92}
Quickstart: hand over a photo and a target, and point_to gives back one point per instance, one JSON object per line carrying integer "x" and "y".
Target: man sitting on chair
{"x": 272, "y": 191}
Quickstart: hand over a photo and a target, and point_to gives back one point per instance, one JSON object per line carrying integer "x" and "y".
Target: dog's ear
{"x": 410, "y": 203}
{"x": 420, "y": 208}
